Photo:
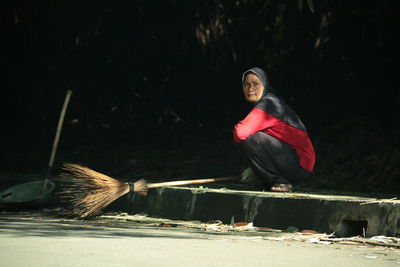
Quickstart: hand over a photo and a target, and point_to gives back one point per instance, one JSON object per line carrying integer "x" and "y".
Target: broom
{"x": 89, "y": 191}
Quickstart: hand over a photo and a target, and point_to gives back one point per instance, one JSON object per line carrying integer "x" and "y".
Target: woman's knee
{"x": 256, "y": 138}
{"x": 263, "y": 141}
{"x": 253, "y": 143}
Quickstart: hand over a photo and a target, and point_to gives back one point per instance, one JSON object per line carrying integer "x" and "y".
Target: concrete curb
{"x": 343, "y": 215}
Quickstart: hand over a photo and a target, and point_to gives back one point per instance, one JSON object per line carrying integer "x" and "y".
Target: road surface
{"x": 37, "y": 239}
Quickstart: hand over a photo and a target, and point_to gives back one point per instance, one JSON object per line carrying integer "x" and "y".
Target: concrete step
{"x": 344, "y": 215}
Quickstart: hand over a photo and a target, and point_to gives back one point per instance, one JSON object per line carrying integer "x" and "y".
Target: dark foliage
{"x": 156, "y": 84}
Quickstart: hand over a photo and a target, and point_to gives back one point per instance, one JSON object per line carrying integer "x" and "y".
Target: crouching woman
{"x": 274, "y": 138}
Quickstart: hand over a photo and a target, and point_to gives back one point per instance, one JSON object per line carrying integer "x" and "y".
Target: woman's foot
{"x": 281, "y": 188}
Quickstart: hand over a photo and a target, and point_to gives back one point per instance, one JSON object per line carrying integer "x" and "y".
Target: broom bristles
{"x": 88, "y": 191}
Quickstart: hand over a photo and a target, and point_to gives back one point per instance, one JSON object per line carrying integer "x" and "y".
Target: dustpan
{"x": 28, "y": 195}
{"x": 36, "y": 194}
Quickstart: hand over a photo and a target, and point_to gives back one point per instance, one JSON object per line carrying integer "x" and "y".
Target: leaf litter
{"x": 248, "y": 229}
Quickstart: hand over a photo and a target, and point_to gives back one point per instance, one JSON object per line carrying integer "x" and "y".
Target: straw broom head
{"x": 88, "y": 192}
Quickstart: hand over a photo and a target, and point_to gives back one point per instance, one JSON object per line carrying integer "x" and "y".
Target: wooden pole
{"x": 56, "y": 139}
{"x": 197, "y": 181}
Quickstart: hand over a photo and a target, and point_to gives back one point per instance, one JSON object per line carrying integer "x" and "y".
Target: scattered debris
{"x": 282, "y": 238}
{"x": 386, "y": 239}
{"x": 199, "y": 190}
{"x": 374, "y": 241}
{"x": 308, "y": 232}
{"x": 370, "y": 256}
{"x": 292, "y": 233}
{"x": 319, "y": 241}
{"x": 379, "y": 201}
{"x": 246, "y": 229}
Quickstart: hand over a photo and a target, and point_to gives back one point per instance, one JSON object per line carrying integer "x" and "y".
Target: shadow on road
{"x": 29, "y": 224}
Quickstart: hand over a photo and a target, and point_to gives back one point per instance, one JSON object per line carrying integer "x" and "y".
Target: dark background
{"x": 157, "y": 85}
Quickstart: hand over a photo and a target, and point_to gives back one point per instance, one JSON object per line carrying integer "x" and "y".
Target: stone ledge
{"x": 342, "y": 215}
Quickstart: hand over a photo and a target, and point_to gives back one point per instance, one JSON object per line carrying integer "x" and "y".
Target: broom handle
{"x": 56, "y": 138}
{"x": 197, "y": 181}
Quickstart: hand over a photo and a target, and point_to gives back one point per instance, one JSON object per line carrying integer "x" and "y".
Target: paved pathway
{"x": 37, "y": 239}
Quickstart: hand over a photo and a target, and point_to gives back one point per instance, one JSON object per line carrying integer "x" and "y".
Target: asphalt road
{"x": 35, "y": 239}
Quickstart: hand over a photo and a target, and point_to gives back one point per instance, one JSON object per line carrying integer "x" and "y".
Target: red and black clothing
{"x": 273, "y": 117}
{"x": 275, "y": 139}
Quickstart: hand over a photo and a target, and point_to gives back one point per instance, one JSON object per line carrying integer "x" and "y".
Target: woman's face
{"x": 252, "y": 88}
